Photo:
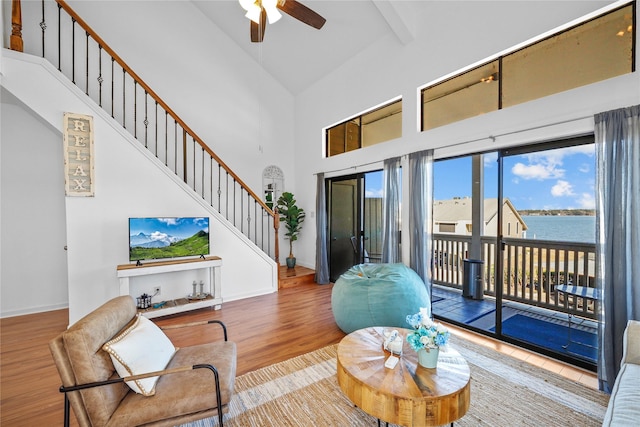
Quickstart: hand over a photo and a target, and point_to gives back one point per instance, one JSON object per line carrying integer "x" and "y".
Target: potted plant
{"x": 293, "y": 217}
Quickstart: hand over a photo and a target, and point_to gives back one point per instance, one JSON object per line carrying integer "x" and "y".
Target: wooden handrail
{"x": 16, "y": 26}
{"x": 159, "y": 100}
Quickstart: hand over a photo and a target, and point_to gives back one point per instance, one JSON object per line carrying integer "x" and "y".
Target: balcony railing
{"x": 531, "y": 270}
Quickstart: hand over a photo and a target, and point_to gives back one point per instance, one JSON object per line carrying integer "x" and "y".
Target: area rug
{"x": 552, "y": 336}
{"x": 505, "y": 391}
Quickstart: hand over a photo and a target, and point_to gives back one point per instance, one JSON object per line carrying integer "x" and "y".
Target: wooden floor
{"x": 266, "y": 329}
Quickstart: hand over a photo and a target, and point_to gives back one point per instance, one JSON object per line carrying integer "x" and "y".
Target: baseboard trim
{"x": 33, "y": 310}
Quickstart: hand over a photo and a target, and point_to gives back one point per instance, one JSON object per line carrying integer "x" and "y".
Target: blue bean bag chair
{"x": 377, "y": 295}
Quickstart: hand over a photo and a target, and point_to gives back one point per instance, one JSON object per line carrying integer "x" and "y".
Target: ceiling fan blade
{"x": 301, "y": 13}
{"x": 257, "y": 30}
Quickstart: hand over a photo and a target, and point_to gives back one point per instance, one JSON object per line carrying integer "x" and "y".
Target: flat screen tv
{"x": 164, "y": 238}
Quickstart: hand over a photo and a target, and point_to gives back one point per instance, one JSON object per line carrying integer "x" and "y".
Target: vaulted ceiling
{"x": 296, "y": 54}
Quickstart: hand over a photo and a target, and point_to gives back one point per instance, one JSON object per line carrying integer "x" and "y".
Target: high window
{"x": 595, "y": 50}
{"x": 373, "y": 127}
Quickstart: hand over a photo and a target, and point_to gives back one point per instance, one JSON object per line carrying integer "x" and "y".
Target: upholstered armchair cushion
{"x": 139, "y": 349}
{"x": 180, "y": 394}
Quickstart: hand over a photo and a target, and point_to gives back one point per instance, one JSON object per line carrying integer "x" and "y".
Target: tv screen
{"x": 161, "y": 238}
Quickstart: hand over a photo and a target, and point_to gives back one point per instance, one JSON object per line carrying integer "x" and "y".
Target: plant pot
{"x": 291, "y": 262}
{"x": 428, "y": 358}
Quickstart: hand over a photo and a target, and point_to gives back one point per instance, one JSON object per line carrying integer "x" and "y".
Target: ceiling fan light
{"x": 253, "y": 13}
{"x": 246, "y": 4}
{"x": 272, "y": 12}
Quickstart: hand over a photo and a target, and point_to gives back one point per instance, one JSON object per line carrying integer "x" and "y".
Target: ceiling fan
{"x": 259, "y": 10}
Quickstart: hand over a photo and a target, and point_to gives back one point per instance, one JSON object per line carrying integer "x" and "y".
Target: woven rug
{"x": 505, "y": 391}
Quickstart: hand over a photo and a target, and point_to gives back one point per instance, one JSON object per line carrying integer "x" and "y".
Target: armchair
{"x": 197, "y": 382}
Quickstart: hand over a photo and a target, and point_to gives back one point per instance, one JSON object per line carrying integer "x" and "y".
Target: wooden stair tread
{"x": 290, "y": 277}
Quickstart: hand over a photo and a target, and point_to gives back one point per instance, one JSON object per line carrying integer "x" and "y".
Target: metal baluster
{"x": 194, "y": 164}
{"x": 156, "y": 136}
{"x": 249, "y": 216}
{"x": 145, "y": 122}
{"x": 211, "y": 179}
{"x": 59, "y": 40}
{"x": 226, "y": 187}
{"x": 166, "y": 138}
{"x": 124, "y": 111}
{"x": 135, "y": 109}
{"x": 86, "y": 85}
{"x": 202, "y": 175}
{"x": 112, "y": 85}
{"x": 219, "y": 182}
{"x": 43, "y": 26}
{"x": 100, "y": 75}
{"x": 73, "y": 50}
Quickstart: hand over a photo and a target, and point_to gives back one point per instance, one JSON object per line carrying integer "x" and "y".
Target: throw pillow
{"x": 139, "y": 349}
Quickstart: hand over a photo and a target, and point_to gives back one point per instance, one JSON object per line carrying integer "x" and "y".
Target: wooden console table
{"x": 409, "y": 394}
{"x": 128, "y": 273}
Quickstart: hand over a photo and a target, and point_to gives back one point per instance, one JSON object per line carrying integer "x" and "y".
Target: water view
{"x": 561, "y": 228}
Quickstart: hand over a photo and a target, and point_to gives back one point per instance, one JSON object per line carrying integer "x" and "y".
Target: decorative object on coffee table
{"x": 426, "y": 338}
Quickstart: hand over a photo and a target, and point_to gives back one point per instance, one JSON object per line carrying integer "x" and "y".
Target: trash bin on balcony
{"x": 472, "y": 283}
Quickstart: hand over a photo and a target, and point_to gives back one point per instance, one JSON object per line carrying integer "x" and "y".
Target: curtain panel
{"x": 617, "y": 136}
{"x": 391, "y": 210}
{"x": 322, "y": 260}
{"x": 420, "y": 213}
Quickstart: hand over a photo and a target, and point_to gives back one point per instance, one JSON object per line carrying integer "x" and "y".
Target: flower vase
{"x": 428, "y": 357}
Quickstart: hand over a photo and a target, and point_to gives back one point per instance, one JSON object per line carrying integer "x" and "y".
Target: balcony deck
{"x": 548, "y": 329}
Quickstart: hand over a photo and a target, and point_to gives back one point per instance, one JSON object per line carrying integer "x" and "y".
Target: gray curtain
{"x": 420, "y": 211}
{"x": 617, "y": 136}
{"x": 391, "y": 211}
{"x": 322, "y": 262}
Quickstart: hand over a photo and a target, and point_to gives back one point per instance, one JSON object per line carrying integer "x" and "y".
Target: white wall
{"x": 128, "y": 182}
{"x": 467, "y": 33}
{"x": 242, "y": 113}
{"x": 33, "y": 262}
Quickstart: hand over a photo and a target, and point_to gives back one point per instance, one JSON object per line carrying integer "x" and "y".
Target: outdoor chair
{"x": 151, "y": 383}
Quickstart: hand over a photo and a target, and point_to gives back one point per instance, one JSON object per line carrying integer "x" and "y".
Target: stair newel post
{"x": 276, "y": 226}
{"x": 16, "y": 26}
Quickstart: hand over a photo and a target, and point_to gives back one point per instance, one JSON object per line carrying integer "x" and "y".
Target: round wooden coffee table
{"x": 409, "y": 394}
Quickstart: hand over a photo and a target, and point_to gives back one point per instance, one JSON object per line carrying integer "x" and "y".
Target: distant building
{"x": 454, "y": 217}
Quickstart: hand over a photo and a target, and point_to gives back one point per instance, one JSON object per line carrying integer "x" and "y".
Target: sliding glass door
{"x": 514, "y": 252}
{"x": 547, "y": 246}
{"x": 355, "y": 221}
{"x": 344, "y": 224}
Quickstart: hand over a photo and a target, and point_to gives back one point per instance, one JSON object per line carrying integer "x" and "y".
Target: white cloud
{"x": 562, "y": 188}
{"x": 584, "y": 168}
{"x": 548, "y": 164}
{"x": 168, "y": 221}
{"x": 157, "y": 235}
{"x": 373, "y": 194}
{"x": 490, "y": 159}
{"x": 587, "y": 201}
{"x": 537, "y": 171}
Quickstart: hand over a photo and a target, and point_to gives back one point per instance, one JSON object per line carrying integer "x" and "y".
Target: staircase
{"x": 105, "y": 78}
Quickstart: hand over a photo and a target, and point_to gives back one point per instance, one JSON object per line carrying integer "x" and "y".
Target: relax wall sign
{"x": 78, "y": 154}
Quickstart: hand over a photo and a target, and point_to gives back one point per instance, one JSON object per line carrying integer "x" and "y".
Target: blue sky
{"x": 552, "y": 179}
{"x": 177, "y": 227}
